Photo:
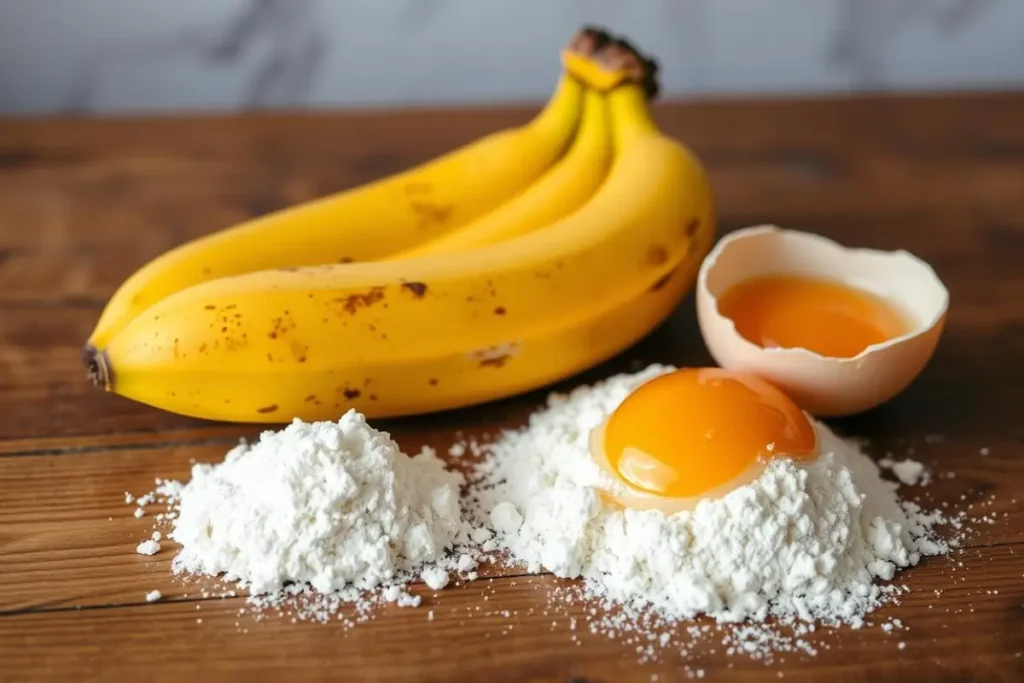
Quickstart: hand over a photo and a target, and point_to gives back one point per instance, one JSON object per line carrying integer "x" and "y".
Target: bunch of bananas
{"x": 513, "y": 262}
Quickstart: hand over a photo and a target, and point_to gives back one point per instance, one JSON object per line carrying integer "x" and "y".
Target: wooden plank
{"x": 74, "y": 546}
{"x": 102, "y": 198}
{"x": 74, "y": 445}
{"x": 83, "y": 203}
{"x": 470, "y": 639}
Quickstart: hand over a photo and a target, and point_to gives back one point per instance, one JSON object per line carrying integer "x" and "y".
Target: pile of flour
{"x": 332, "y": 505}
{"x": 799, "y": 542}
{"x": 320, "y": 515}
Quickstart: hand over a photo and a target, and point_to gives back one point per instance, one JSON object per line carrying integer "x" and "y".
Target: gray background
{"x": 131, "y": 55}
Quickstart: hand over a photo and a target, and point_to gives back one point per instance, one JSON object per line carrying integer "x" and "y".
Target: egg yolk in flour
{"x": 696, "y": 433}
{"x": 830, "y": 318}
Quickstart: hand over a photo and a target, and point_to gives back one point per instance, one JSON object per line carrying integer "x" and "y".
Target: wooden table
{"x": 83, "y": 203}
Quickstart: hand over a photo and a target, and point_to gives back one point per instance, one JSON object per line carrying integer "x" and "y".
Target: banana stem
{"x": 97, "y": 366}
{"x": 630, "y": 115}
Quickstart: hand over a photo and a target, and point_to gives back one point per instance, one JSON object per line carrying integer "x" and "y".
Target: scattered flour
{"x": 150, "y": 547}
{"x": 153, "y": 596}
{"x": 465, "y": 563}
{"x": 334, "y": 509}
{"x": 435, "y": 577}
{"x": 909, "y": 472}
{"x": 800, "y": 544}
{"x": 318, "y": 516}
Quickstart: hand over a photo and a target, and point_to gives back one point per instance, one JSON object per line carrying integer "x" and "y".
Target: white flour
{"x": 319, "y": 515}
{"x": 908, "y": 471}
{"x": 333, "y": 505}
{"x": 798, "y": 542}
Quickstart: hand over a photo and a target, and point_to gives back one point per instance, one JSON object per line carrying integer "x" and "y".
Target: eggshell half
{"x": 822, "y": 385}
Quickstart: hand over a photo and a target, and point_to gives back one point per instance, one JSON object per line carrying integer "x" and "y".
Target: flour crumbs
{"x": 801, "y": 544}
{"x": 322, "y": 516}
{"x": 316, "y": 516}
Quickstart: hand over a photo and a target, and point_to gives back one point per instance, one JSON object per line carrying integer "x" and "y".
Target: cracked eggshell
{"x": 823, "y": 385}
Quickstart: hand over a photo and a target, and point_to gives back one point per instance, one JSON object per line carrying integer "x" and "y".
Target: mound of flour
{"x": 335, "y": 505}
{"x": 799, "y": 542}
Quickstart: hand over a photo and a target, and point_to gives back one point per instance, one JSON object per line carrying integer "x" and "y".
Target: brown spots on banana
{"x": 657, "y": 255}
{"x": 299, "y": 351}
{"x": 418, "y": 289}
{"x": 692, "y": 227}
{"x": 667, "y": 277}
{"x": 312, "y": 399}
{"x": 351, "y": 394}
{"x": 353, "y": 302}
{"x": 495, "y": 356}
{"x": 430, "y": 215}
{"x": 346, "y": 259}
{"x": 265, "y": 410}
{"x": 500, "y": 310}
{"x": 429, "y": 212}
{"x": 432, "y": 382}
{"x": 281, "y": 325}
{"x": 662, "y": 281}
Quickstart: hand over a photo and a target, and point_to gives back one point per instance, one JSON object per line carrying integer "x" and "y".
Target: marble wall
{"x": 124, "y": 55}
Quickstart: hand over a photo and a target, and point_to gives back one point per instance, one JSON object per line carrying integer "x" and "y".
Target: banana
{"x": 436, "y": 332}
{"x": 558, "y": 193}
{"x": 366, "y": 222}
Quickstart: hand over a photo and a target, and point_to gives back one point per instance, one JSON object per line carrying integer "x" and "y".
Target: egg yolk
{"x": 693, "y": 430}
{"x": 828, "y": 318}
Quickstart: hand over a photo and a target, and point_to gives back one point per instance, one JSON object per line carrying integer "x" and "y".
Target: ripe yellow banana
{"x": 366, "y": 222}
{"x": 567, "y": 186}
{"x": 425, "y": 334}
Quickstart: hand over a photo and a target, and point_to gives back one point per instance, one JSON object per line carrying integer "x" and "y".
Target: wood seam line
{"x": 211, "y": 598}
{"x": 76, "y": 303}
{"x": 99, "y": 449}
{"x": 501, "y": 578}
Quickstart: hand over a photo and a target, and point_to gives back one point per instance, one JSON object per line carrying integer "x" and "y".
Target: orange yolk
{"x": 828, "y": 318}
{"x": 693, "y": 430}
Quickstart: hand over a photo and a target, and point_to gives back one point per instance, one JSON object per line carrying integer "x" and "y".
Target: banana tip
{"x": 96, "y": 366}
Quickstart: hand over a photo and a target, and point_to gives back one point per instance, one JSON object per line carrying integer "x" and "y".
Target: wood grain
{"x": 84, "y": 203}
{"x": 464, "y": 643}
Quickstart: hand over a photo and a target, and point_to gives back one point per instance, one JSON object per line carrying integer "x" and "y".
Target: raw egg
{"x": 823, "y": 316}
{"x": 697, "y": 433}
{"x": 839, "y": 330}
